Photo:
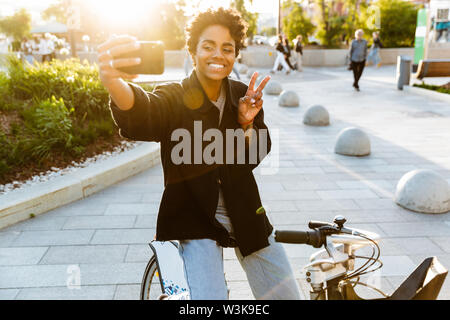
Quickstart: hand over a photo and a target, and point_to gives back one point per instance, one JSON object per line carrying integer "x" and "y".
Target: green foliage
{"x": 250, "y": 17}
{"x": 330, "y": 24}
{"x": 398, "y": 23}
{"x": 77, "y": 83}
{"x": 17, "y": 25}
{"x": 441, "y": 89}
{"x": 296, "y": 22}
{"x": 269, "y": 31}
{"x": 57, "y": 11}
{"x": 51, "y": 127}
{"x": 5, "y": 144}
{"x": 59, "y": 108}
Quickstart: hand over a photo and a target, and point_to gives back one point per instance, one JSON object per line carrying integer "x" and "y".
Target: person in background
{"x": 287, "y": 52}
{"x": 374, "y": 53}
{"x": 358, "y": 55}
{"x": 47, "y": 48}
{"x": 280, "y": 59}
{"x": 27, "y": 49}
{"x": 299, "y": 52}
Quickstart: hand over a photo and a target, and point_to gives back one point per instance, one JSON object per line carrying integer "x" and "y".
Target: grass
{"x": 440, "y": 89}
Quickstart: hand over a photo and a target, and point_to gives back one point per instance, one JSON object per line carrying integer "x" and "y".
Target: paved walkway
{"x": 106, "y": 235}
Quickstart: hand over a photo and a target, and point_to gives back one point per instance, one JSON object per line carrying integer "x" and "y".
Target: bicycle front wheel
{"x": 151, "y": 286}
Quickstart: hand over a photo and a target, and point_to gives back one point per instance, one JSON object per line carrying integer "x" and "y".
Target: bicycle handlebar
{"x": 313, "y": 238}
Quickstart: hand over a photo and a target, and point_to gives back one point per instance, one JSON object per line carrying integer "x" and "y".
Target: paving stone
{"x": 127, "y": 292}
{"x": 123, "y": 236}
{"x": 119, "y": 189}
{"x": 108, "y": 274}
{"x": 442, "y": 242}
{"x": 309, "y": 185}
{"x": 234, "y": 271}
{"x": 239, "y": 290}
{"x": 416, "y": 229}
{"x": 33, "y": 276}
{"x": 146, "y": 221}
{"x": 376, "y": 204}
{"x": 277, "y": 206}
{"x": 113, "y": 198}
{"x": 64, "y": 293}
{"x": 81, "y": 208}
{"x": 99, "y": 222}
{"x": 44, "y": 222}
{"x": 132, "y": 208}
{"x": 411, "y": 246}
{"x": 326, "y": 205}
{"x": 7, "y": 237}
{"x": 21, "y": 256}
{"x": 53, "y": 238}
{"x": 8, "y": 294}
{"x": 397, "y": 266}
{"x": 346, "y": 194}
{"x": 290, "y": 195}
{"x": 138, "y": 253}
{"x": 85, "y": 254}
{"x": 151, "y": 197}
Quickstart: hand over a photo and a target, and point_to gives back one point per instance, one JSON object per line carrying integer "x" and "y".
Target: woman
{"x": 280, "y": 59}
{"x": 374, "y": 53}
{"x": 299, "y": 52}
{"x": 206, "y": 206}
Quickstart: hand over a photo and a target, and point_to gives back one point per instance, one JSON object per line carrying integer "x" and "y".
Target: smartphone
{"x": 152, "y": 58}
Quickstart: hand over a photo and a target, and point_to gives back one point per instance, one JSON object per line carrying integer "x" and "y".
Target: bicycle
{"x": 331, "y": 272}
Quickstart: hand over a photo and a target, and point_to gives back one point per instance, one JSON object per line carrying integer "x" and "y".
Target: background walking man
{"x": 358, "y": 54}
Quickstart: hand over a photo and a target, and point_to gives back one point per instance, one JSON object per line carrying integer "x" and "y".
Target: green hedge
{"x": 440, "y": 89}
{"x": 61, "y": 107}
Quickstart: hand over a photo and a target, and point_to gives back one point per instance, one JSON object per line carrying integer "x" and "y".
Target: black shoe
{"x": 356, "y": 87}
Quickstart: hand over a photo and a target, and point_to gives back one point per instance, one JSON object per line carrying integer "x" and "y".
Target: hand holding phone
{"x": 123, "y": 57}
{"x": 151, "y": 54}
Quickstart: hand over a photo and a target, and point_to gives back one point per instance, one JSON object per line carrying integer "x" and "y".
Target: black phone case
{"x": 152, "y": 58}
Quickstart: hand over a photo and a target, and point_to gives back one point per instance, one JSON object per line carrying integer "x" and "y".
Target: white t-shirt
{"x": 46, "y": 46}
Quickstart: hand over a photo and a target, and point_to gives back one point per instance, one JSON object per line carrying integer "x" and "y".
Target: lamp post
{"x": 279, "y": 17}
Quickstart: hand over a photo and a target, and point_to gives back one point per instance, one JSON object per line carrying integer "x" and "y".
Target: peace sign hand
{"x": 251, "y": 103}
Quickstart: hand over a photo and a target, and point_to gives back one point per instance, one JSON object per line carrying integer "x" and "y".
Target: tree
{"x": 16, "y": 26}
{"x": 330, "y": 23}
{"x": 56, "y": 11}
{"x": 296, "y": 22}
{"x": 398, "y": 23}
{"x": 250, "y": 17}
{"x": 269, "y": 31}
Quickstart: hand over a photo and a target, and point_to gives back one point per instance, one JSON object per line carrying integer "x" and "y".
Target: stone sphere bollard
{"x": 352, "y": 142}
{"x": 273, "y": 88}
{"x": 423, "y": 191}
{"x": 316, "y": 115}
{"x": 289, "y": 99}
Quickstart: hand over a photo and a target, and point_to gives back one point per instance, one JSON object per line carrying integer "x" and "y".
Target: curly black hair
{"x": 229, "y": 18}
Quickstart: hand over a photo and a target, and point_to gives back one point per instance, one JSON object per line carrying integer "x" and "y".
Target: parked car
{"x": 260, "y": 40}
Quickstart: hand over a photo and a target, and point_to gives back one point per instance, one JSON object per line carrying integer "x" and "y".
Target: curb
{"x": 20, "y": 205}
{"x": 427, "y": 93}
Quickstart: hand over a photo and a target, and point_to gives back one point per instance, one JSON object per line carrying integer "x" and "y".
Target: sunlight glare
{"x": 121, "y": 11}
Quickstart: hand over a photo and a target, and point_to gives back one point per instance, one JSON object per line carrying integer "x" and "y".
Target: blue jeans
{"x": 268, "y": 270}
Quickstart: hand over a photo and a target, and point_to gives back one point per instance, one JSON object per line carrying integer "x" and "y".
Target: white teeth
{"x": 217, "y": 66}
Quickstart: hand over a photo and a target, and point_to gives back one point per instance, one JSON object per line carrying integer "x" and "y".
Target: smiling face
{"x": 215, "y": 54}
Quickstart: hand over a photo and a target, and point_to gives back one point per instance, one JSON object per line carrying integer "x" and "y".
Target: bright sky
{"x": 8, "y": 7}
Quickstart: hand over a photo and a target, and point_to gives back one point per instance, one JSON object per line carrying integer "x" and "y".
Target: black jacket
{"x": 190, "y": 198}
{"x": 299, "y": 47}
